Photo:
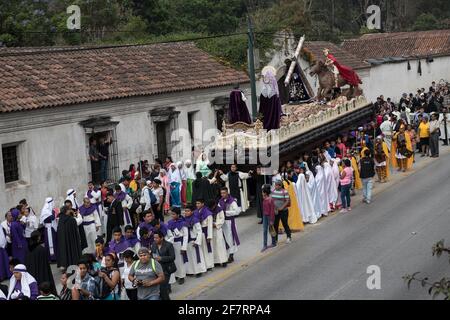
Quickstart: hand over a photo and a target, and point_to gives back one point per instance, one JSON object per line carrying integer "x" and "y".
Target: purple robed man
{"x": 189, "y": 223}
{"x": 238, "y": 111}
{"x": 178, "y": 224}
{"x": 225, "y": 204}
{"x": 120, "y": 246}
{"x": 202, "y": 215}
{"x": 270, "y": 103}
{"x": 161, "y": 227}
{"x": 19, "y": 242}
{"x": 22, "y": 285}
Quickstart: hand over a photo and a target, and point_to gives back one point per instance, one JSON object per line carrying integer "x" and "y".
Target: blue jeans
{"x": 153, "y": 298}
{"x": 103, "y": 170}
{"x": 345, "y": 196}
{"x": 367, "y": 188}
{"x": 266, "y": 223}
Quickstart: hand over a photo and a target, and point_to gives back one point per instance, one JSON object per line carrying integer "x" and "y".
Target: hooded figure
{"x": 69, "y": 242}
{"x": 322, "y": 197}
{"x": 48, "y": 220}
{"x": 331, "y": 187}
{"x": 72, "y": 197}
{"x": 22, "y": 285}
{"x": 19, "y": 242}
{"x": 305, "y": 200}
{"x": 238, "y": 111}
{"x": 270, "y": 103}
{"x": 37, "y": 262}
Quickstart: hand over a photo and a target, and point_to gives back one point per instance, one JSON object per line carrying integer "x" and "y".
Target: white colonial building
{"x": 52, "y": 101}
{"x": 402, "y": 62}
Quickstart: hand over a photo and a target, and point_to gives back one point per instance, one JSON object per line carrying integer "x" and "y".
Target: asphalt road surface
{"x": 396, "y": 233}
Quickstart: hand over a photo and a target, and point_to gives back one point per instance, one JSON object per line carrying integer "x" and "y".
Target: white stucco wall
{"x": 54, "y": 154}
{"x": 394, "y": 79}
{"x": 52, "y": 160}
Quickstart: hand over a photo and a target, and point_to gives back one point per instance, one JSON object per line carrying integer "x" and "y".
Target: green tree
{"x": 440, "y": 288}
{"x": 426, "y": 21}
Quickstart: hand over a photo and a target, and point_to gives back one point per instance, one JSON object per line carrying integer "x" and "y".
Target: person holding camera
{"x": 109, "y": 279}
{"x": 146, "y": 274}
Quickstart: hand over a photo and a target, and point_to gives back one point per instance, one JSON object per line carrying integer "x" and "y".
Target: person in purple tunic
{"x": 48, "y": 219}
{"x": 177, "y": 233}
{"x": 146, "y": 240}
{"x": 19, "y": 242}
{"x": 269, "y": 102}
{"x": 160, "y": 226}
{"x": 205, "y": 216}
{"x": 22, "y": 285}
{"x": 238, "y": 111}
{"x": 118, "y": 245}
{"x": 131, "y": 237}
{"x": 4, "y": 259}
{"x": 148, "y": 223}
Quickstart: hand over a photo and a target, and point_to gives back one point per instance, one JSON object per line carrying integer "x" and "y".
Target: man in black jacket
{"x": 115, "y": 215}
{"x": 367, "y": 172}
{"x": 164, "y": 253}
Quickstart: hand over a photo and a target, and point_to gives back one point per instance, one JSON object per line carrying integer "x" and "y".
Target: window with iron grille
{"x": 10, "y": 163}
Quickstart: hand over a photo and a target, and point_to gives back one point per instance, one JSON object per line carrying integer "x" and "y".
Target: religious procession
{"x": 151, "y": 181}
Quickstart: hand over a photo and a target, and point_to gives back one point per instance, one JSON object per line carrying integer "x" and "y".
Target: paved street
{"x": 329, "y": 260}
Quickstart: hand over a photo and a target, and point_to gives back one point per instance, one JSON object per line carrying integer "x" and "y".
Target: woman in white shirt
{"x": 131, "y": 291}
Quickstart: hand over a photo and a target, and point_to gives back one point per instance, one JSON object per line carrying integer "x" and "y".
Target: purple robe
{"x": 34, "y": 290}
{"x": 4, "y": 264}
{"x": 146, "y": 243}
{"x": 238, "y": 111}
{"x": 271, "y": 110}
{"x": 87, "y": 211}
{"x": 162, "y": 228}
{"x": 203, "y": 213}
{"x": 19, "y": 242}
{"x": 151, "y": 231}
{"x": 224, "y": 204}
{"x": 132, "y": 241}
{"x": 189, "y": 223}
{"x": 178, "y": 224}
{"x": 119, "y": 247}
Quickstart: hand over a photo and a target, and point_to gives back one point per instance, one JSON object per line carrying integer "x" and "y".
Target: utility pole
{"x": 251, "y": 65}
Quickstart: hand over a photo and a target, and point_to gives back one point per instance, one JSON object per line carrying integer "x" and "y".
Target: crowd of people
{"x": 118, "y": 238}
{"x": 167, "y": 221}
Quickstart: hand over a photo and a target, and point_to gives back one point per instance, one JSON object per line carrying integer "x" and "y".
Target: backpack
{"x": 103, "y": 290}
{"x": 152, "y": 197}
{"x": 152, "y": 261}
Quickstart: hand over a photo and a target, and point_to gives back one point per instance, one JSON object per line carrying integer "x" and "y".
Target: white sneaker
{"x": 288, "y": 240}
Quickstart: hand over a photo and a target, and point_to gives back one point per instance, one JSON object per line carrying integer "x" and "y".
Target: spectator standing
{"x": 367, "y": 172}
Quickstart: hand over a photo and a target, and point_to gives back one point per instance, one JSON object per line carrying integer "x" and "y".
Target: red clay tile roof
{"x": 344, "y": 57}
{"x": 33, "y": 78}
{"x": 419, "y": 44}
